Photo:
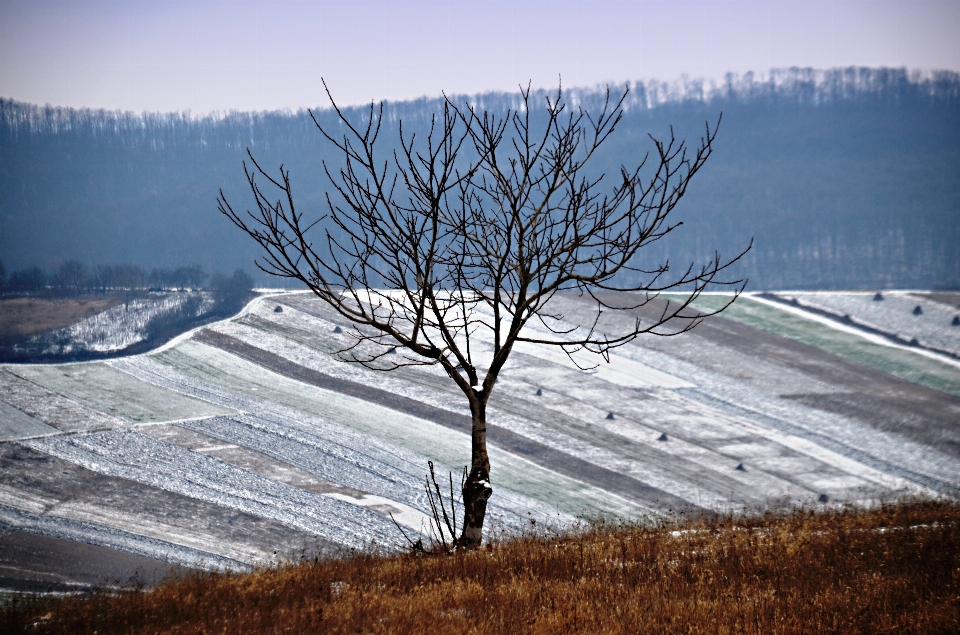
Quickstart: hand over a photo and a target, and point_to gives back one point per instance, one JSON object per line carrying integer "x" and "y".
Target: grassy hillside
{"x": 892, "y": 569}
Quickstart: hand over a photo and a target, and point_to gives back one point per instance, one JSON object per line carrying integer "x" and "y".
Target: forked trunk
{"x": 477, "y": 488}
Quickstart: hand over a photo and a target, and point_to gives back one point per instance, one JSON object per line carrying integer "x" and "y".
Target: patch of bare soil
{"x": 33, "y": 563}
{"x": 28, "y": 316}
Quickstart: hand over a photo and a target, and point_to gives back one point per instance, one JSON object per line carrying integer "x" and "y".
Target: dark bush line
{"x": 73, "y": 278}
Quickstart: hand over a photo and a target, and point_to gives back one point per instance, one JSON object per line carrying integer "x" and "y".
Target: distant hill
{"x": 846, "y": 178}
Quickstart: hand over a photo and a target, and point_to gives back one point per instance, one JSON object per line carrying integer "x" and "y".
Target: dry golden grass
{"x": 29, "y": 316}
{"x": 891, "y": 570}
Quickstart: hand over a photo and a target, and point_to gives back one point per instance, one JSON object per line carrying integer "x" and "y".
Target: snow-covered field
{"x": 117, "y": 393}
{"x": 847, "y": 341}
{"x": 908, "y": 315}
{"x": 329, "y": 426}
{"x": 253, "y": 420}
{"x": 125, "y": 324}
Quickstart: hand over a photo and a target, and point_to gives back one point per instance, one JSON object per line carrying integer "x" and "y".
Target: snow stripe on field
{"x": 50, "y": 407}
{"x": 117, "y": 393}
{"x": 873, "y": 338}
{"x": 619, "y": 370}
{"x": 846, "y": 466}
{"x": 901, "y": 362}
{"x": 894, "y": 314}
{"x": 707, "y": 383}
{"x": 395, "y": 482}
{"x": 694, "y": 471}
{"x": 13, "y": 519}
{"x": 129, "y": 454}
{"x": 604, "y": 385}
{"x": 278, "y": 332}
{"x": 125, "y": 324}
{"x": 698, "y": 462}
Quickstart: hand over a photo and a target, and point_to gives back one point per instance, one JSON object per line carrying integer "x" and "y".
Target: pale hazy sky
{"x": 204, "y": 55}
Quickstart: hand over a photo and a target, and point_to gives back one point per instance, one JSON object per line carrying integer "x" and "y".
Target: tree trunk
{"x": 477, "y": 488}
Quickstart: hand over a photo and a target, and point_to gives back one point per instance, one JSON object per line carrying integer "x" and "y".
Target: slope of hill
{"x": 248, "y": 441}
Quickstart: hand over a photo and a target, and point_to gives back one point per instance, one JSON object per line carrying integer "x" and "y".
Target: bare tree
{"x": 71, "y": 276}
{"x": 445, "y": 248}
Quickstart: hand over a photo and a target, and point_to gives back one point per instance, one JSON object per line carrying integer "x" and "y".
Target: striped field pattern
{"x": 248, "y": 441}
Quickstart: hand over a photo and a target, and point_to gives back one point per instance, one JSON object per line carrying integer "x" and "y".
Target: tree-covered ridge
{"x": 792, "y": 86}
{"x": 845, "y": 177}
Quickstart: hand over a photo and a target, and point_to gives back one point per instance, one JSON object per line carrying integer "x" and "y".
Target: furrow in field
{"x": 845, "y": 342}
{"x": 705, "y": 448}
{"x": 243, "y": 457}
{"x": 698, "y": 456}
{"x": 702, "y": 446}
{"x": 129, "y": 454}
{"x": 133, "y": 524}
{"x": 878, "y": 456}
{"x": 15, "y": 424}
{"x": 581, "y": 438}
{"x": 826, "y": 466}
{"x": 352, "y": 460}
{"x": 366, "y": 471}
{"x": 665, "y": 472}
